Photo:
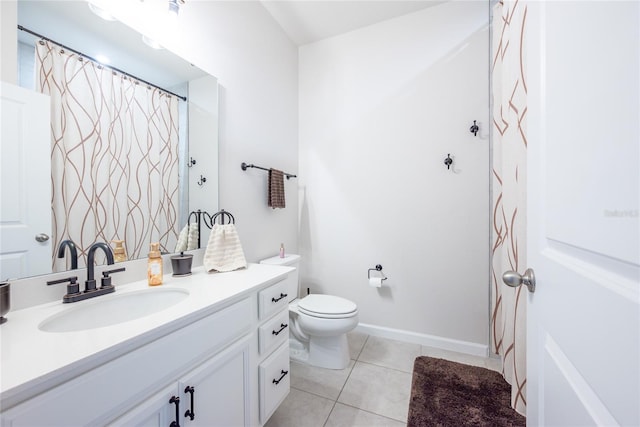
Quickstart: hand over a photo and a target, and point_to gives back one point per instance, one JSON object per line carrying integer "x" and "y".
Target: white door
{"x": 25, "y": 192}
{"x": 583, "y": 358}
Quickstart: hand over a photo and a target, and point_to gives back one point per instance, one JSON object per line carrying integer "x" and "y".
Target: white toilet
{"x": 318, "y": 323}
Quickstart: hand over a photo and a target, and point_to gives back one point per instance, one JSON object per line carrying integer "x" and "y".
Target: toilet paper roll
{"x": 375, "y": 282}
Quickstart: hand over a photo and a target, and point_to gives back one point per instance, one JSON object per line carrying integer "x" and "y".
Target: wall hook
{"x": 474, "y": 129}
{"x": 448, "y": 161}
{"x": 202, "y": 180}
{"x": 191, "y": 162}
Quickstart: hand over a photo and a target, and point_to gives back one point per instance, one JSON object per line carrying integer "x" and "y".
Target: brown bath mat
{"x": 445, "y": 393}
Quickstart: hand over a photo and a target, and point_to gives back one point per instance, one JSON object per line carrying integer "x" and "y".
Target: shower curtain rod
{"x": 26, "y": 30}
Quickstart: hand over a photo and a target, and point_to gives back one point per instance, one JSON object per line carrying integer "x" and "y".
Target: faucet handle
{"x": 73, "y": 288}
{"x": 66, "y": 279}
{"x": 106, "y": 279}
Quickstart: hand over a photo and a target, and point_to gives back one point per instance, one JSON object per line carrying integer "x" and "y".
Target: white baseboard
{"x": 449, "y": 344}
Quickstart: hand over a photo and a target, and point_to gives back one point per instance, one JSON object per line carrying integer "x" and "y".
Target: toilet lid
{"x": 328, "y": 306}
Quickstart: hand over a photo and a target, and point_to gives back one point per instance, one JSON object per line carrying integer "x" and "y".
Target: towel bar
{"x": 244, "y": 167}
{"x": 209, "y": 220}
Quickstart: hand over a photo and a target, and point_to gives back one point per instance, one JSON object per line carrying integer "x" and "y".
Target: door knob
{"x": 515, "y": 279}
{"x": 42, "y": 237}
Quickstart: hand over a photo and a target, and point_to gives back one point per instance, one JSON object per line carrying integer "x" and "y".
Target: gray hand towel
{"x": 276, "y": 189}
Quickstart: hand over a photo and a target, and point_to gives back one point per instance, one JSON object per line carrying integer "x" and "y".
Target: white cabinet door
{"x": 219, "y": 397}
{"x": 217, "y": 393}
{"x": 157, "y": 411}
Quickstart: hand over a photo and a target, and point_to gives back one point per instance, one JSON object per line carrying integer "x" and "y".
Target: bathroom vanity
{"x": 208, "y": 349}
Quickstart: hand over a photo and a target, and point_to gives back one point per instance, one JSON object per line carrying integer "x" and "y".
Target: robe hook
{"x": 474, "y": 129}
{"x": 448, "y": 161}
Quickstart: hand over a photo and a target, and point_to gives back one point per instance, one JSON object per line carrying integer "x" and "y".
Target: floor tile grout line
{"x": 335, "y": 402}
{"x": 314, "y": 394}
{"x": 362, "y": 348}
{"x": 346, "y": 380}
{"x": 351, "y": 371}
{"x": 357, "y": 360}
{"x": 385, "y": 367}
{"x": 372, "y": 413}
{"x": 330, "y": 412}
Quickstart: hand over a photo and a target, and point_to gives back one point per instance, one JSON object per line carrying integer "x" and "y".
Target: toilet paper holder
{"x": 378, "y": 267}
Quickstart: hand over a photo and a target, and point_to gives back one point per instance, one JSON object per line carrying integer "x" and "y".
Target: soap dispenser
{"x": 154, "y": 266}
{"x": 119, "y": 254}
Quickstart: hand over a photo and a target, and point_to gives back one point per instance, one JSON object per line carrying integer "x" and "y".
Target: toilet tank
{"x": 290, "y": 260}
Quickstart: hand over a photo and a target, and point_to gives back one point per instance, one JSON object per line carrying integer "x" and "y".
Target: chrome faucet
{"x": 90, "y": 284}
{"x": 72, "y": 251}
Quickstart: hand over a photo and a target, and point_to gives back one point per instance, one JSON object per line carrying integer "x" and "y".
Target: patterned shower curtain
{"x": 509, "y": 92}
{"x": 114, "y": 155}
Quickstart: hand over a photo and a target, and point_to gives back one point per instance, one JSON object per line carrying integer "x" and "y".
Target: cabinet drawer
{"x": 275, "y": 377}
{"x": 274, "y": 332}
{"x": 273, "y": 299}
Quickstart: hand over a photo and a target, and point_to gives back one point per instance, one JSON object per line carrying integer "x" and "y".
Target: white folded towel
{"x": 181, "y": 245}
{"x": 188, "y": 238}
{"x": 224, "y": 251}
{"x": 192, "y": 239}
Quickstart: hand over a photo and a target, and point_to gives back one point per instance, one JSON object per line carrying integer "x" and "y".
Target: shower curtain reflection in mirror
{"x": 114, "y": 155}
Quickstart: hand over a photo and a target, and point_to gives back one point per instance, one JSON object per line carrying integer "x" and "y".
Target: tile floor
{"x": 373, "y": 391}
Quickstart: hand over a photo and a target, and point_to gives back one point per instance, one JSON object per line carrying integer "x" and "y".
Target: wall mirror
{"x": 91, "y": 206}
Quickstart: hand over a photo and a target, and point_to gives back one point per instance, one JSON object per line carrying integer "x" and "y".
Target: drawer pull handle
{"x": 284, "y": 374}
{"x": 175, "y": 400}
{"x": 282, "y": 327}
{"x": 278, "y": 299}
{"x": 190, "y": 412}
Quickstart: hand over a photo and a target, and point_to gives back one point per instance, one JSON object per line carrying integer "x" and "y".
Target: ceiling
{"x": 307, "y": 21}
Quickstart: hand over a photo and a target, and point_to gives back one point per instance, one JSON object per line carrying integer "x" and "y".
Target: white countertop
{"x": 33, "y": 360}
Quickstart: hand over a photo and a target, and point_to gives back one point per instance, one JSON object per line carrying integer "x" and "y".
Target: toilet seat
{"x": 327, "y": 307}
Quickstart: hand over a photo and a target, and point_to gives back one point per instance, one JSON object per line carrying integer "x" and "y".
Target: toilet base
{"x": 323, "y": 352}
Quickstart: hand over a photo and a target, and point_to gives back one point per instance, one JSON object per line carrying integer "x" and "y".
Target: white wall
{"x": 380, "y": 109}
{"x": 256, "y": 67}
{"x": 9, "y": 41}
{"x": 203, "y": 146}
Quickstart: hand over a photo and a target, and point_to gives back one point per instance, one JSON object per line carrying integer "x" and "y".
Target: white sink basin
{"x": 112, "y": 309}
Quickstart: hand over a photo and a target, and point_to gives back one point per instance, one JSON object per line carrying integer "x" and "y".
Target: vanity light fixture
{"x": 174, "y": 8}
{"x": 102, "y": 13}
